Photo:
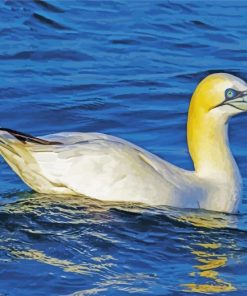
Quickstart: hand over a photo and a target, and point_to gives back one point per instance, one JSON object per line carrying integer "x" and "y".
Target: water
{"x": 126, "y": 68}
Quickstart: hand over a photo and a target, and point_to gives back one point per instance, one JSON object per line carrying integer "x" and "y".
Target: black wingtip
{"x": 28, "y": 138}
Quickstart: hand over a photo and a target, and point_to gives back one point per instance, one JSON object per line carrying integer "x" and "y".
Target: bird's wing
{"x": 94, "y": 155}
{"x": 69, "y": 138}
{"x": 92, "y": 164}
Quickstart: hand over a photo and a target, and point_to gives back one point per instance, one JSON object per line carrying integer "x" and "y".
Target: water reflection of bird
{"x": 204, "y": 237}
{"x": 211, "y": 252}
{"x": 108, "y": 168}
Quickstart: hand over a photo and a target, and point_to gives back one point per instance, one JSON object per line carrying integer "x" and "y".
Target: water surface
{"x": 126, "y": 68}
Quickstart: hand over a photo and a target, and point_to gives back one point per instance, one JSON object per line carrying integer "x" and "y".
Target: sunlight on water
{"x": 210, "y": 255}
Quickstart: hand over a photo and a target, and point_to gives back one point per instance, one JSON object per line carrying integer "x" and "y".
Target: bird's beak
{"x": 239, "y": 102}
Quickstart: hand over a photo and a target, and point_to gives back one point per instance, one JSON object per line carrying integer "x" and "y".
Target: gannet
{"x": 108, "y": 168}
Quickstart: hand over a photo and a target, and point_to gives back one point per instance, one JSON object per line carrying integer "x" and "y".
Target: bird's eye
{"x": 230, "y": 93}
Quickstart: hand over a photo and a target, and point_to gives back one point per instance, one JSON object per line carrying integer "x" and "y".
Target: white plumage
{"x": 99, "y": 166}
{"x": 108, "y": 168}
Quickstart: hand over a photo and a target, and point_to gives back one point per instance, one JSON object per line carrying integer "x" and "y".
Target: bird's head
{"x": 217, "y": 98}
{"x": 220, "y": 93}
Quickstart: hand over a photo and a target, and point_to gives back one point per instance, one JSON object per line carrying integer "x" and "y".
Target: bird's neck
{"x": 208, "y": 145}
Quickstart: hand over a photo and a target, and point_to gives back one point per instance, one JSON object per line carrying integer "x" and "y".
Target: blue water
{"x": 126, "y": 68}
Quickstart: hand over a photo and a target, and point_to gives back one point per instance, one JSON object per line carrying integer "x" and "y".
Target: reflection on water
{"x": 210, "y": 262}
{"x": 66, "y": 265}
{"x": 84, "y": 269}
{"x": 209, "y": 253}
{"x": 205, "y": 236}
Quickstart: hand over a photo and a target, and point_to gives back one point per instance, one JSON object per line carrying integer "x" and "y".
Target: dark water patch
{"x": 231, "y": 54}
{"x": 189, "y": 46}
{"x": 203, "y": 25}
{"x": 179, "y": 7}
{"x": 220, "y": 38}
{"x": 81, "y": 87}
{"x": 148, "y": 83}
{"x": 164, "y": 28}
{"x": 48, "y": 6}
{"x": 48, "y": 55}
{"x": 89, "y": 104}
{"x": 124, "y": 41}
{"x": 49, "y": 22}
{"x": 199, "y": 75}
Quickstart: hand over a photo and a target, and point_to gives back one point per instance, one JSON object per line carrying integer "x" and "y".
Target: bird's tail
{"x": 7, "y": 133}
{"x": 16, "y": 148}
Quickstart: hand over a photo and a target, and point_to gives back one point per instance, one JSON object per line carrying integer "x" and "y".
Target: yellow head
{"x": 223, "y": 91}
{"x": 216, "y": 98}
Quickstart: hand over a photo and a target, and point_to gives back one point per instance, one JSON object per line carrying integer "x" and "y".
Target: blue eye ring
{"x": 230, "y": 93}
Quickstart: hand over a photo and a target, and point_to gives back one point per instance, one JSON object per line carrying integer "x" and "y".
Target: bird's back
{"x": 109, "y": 168}
{"x": 104, "y": 167}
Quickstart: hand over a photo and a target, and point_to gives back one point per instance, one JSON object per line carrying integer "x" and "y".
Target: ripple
{"x": 49, "y": 6}
{"x": 48, "y": 55}
{"x": 203, "y": 25}
{"x": 49, "y": 22}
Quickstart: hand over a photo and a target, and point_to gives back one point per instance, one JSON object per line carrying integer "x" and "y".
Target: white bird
{"x": 111, "y": 169}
